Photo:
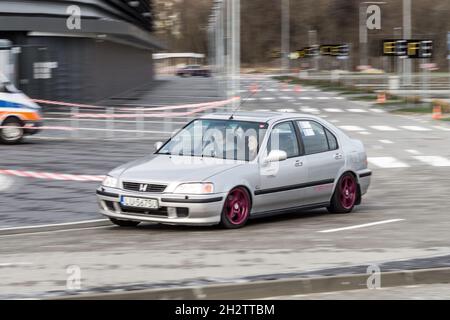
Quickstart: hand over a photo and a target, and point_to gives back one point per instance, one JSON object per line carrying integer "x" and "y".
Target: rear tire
{"x": 14, "y": 134}
{"x": 236, "y": 209}
{"x": 345, "y": 194}
{"x": 124, "y": 223}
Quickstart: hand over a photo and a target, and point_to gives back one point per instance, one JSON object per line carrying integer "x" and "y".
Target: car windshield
{"x": 224, "y": 139}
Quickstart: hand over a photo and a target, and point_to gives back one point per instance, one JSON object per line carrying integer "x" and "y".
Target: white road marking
{"x": 435, "y": 161}
{"x": 385, "y": 141}
{"x": 352, "y": 128}
{"x": 441, "y": 128}
{"x": 13, "y": 264}
{"x": 361, "y": 225}
{"x": 387, "y": 162}
{"x": 305, "y": 98}
{"x": 53, "y": 231}
{"x": 339, "y": 98}
{"x": 262, "y": 110}
{"x": 412, "y": 151}
{"x": 366, "y": 133}
{"x": 357, "y": 110}
{"x": 415, "y": 128}
{"x": 377, "y": 110}
{"x": 384, "y": 128}
{"x": 285, "y": 110}
{"x": 286, "y": 98}
{"x": 267, "y": 98}
{"x": 66, "y": 224}
{"x": 323, "y": 98}
{"x": 309, "y": 110}
{"x": 333, "y": 110}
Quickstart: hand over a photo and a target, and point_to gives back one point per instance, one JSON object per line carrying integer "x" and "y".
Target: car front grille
{"x": 161, "y": 212}
{"x": 144, "y": 187}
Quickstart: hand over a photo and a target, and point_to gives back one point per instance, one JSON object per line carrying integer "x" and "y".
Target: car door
{"x": 280, "y": 181}
{"x": 324, "y": 158}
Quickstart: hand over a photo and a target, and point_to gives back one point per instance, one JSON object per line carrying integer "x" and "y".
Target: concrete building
{"x": 78, "y": 51}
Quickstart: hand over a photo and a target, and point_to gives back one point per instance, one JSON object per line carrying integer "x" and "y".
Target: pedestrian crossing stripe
{"x": 435, "y": 161}
{"x": 384, "y": 128}
{"x": 392, "y": 162}
{"x": 415, "y": 128}
{"x": 387, "y": 162}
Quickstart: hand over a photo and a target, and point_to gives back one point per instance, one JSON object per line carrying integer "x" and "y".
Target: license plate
{"x": 139, "y": 202}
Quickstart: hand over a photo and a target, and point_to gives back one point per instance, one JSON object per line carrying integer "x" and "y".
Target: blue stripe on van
{"x": 14, "y": 105}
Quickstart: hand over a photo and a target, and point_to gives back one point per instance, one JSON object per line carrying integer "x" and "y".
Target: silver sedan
{"x": 226, "y": 168}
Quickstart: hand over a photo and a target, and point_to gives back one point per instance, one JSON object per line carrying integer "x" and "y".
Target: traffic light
{"x": 408, "y": 48}
{"x": 335, "y": 50}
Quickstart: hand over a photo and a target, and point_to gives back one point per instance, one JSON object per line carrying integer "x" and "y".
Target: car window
{"x": 217, "y": 138}
{"x": 313, "y": 136}
{"x": 283, "y": 138}
{"x": 332, "y": 141}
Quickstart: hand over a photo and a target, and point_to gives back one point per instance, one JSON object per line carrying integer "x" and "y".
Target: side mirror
{"x": 275, "y": 156}
{"x": 158, "y": 145}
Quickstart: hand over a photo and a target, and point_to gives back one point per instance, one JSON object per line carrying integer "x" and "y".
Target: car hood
{"x": 165, "y": 168}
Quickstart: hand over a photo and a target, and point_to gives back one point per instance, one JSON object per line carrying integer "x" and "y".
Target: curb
{"x": 276, "y": 288}
{"x": 55, "y": 227}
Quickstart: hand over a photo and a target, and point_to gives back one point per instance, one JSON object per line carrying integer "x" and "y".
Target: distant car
{"x": 224, "y": 169}
{"x": 193, "y": 71}
{"x": 19, "y": 115}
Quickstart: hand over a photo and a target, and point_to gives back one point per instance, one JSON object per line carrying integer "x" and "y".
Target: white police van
{"x": 19, "y": 115}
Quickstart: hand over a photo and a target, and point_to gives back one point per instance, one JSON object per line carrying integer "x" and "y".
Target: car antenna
{"x": 241, "y": 103}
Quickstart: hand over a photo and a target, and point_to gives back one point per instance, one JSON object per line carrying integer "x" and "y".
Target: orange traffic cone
{"x": 298, "y": 88}
{"x": 437, "y": 113}
{"x": 381, "y": 97}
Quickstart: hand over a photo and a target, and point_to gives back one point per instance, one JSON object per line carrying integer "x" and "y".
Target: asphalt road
{"x": 409, "y": 156}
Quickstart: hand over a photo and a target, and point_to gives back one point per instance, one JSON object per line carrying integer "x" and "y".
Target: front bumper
{"x": 173, "y": 209}
{"x": 32, "y": 127}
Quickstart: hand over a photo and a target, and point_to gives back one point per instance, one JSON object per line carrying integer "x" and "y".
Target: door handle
{"x": 338, "y": 156}
{"x": 298, "y": 163}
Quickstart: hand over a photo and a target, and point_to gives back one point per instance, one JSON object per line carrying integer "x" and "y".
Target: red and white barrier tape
{"x": 143, "y": 108}
{"x": 67, "y": 104}
{"x": 203, "y": 107}
{"x": 41, "y": 128}
{"x": 52, "y": 176}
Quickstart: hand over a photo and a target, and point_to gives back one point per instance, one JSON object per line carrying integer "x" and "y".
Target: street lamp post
{"x": 407, "y": 35}
{"x": 312, "y": 40}
{"x": 399, "y": 60}
{"x": 285, "y": 17}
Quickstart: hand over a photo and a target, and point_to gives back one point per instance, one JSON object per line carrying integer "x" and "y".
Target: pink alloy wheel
{"x": 237, "y": 206}
{"x": 348, "y": 192}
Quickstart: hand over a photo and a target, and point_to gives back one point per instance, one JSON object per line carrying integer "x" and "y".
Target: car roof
{"x": 257, "y": 116}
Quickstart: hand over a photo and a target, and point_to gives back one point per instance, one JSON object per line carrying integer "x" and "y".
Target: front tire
{"x": 124, "y": 223}
{"x": 13, "y": 133}
{"x": 236, "y": 209}
{"x": 345, "y": 195}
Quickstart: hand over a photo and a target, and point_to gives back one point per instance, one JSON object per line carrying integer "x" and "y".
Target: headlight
{"x": 195, "y": 188}
{"x": 110, "y": 182}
